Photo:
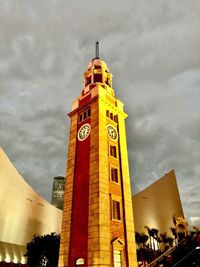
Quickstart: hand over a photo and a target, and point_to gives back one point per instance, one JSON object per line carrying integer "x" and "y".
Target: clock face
{"x": 112, "y": 132}
{"x": 84, "y": 132}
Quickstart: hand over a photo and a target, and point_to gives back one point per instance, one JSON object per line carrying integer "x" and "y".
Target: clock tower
{"x": 97, "y": 226}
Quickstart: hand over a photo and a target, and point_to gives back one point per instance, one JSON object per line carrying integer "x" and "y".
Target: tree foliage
{"x": 184, "y": 241}
{"x": 43, "y": 247}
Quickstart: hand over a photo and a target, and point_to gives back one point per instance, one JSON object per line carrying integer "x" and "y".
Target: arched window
{"x": 87, "y": 80}
{"x": 117, "y": 258}
{"x": 97, "y": 78}
{"x": 80, "y": 261}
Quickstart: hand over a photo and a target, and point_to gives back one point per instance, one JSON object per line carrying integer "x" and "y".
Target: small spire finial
{"x": 97, "y": 50}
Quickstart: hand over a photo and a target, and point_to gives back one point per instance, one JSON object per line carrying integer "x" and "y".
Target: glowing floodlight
{"x": 7, "y": 259}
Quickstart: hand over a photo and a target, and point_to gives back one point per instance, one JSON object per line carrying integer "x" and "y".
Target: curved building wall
{"x": 23, "y": 213}
{"x": 157, "y": 204}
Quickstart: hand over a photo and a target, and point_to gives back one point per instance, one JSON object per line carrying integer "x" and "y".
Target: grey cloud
{"x": 152, "y": 51}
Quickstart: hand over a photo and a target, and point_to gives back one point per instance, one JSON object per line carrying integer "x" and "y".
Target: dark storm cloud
{"x": 152, "y": 49}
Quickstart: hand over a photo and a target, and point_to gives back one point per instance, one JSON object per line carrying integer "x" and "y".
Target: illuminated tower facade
{"x": 97, "y": 227}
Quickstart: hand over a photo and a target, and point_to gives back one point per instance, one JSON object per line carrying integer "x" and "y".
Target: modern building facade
{"x": 156, "y": 205}
{"x": 23, "y": 213}
{"x": 57, "y": 197}
{"x": 97, "y": 226}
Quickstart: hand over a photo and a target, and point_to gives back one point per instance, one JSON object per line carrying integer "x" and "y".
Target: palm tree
{"x": 141, "y": 240}
{"x": 153, "y": 235}
{"x": 170, "y": 241}
{"x": 144, "y": 239}
{"x": 174, "y": 233}
{"x": 138, "y": 239}
{"x": 159, "y": 241}
{"x": 164, "y": 239}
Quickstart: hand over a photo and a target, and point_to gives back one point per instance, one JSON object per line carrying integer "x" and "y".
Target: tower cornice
{"x": 79, "y": 108}
{"x": 99, "y": 92}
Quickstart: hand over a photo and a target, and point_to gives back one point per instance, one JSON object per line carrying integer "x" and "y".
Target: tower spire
{"x": 97, "y": 50}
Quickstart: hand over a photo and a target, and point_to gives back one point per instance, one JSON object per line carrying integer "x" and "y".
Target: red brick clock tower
{"x": 97, "y": 227}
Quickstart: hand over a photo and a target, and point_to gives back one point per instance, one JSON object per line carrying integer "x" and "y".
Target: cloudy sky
{"x": 152, "y": 49}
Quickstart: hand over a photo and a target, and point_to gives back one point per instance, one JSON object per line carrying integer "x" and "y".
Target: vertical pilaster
{"x": 93, "y": 220}
{"x": 68, "y": 195}
{"x": 128, "y": 211}
{"x": 104, "y": 198}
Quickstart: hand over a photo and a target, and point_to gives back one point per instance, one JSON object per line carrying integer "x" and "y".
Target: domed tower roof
{"x": 97, "y": 62}
{"x": 97, "y": 74}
